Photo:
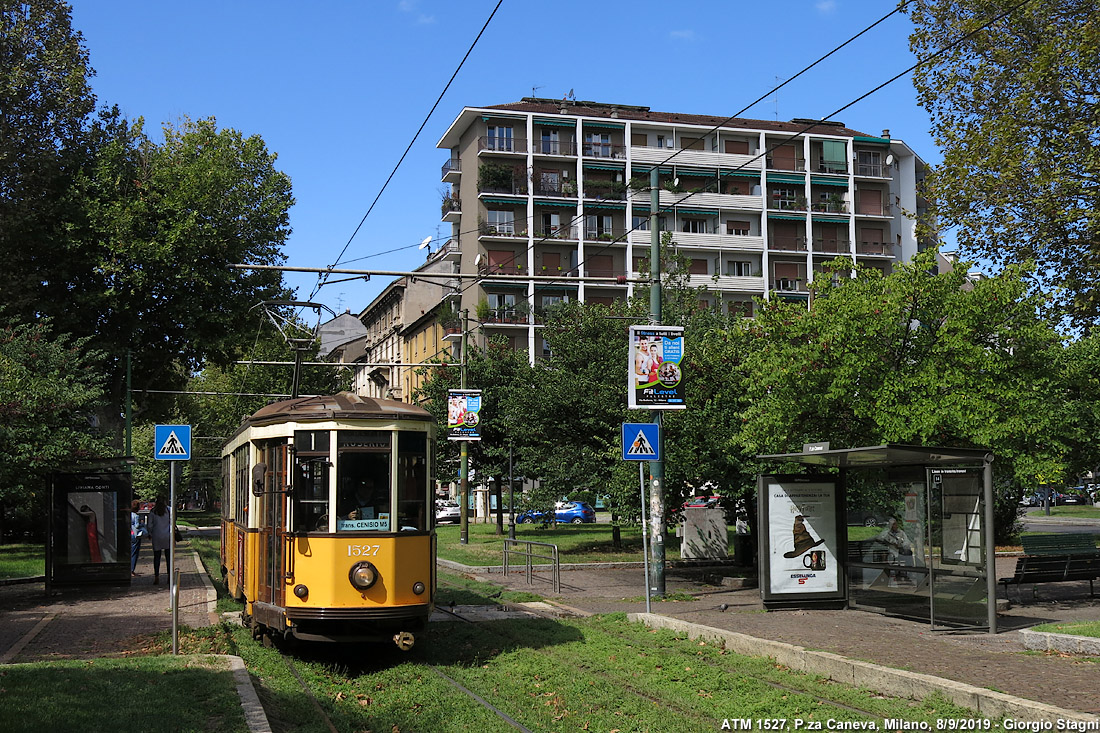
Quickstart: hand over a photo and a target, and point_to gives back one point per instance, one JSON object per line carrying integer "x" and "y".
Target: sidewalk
{"x": 991, "y": 662}
{"x": 75, "y": 622}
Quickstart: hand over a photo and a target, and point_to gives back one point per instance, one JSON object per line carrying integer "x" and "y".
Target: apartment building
{"x": 559, "y": 189}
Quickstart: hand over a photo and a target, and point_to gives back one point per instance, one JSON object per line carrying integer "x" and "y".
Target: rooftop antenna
{"x": 534, "y": 89}
{"x": 777, "y": 80}
{"x": 572, "y": 96}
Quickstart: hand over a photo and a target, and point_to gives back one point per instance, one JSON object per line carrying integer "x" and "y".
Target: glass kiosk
{"x": 900, "y": 530}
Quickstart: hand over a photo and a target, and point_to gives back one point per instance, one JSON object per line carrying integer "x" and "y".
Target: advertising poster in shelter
{"x": 464, "y": 414}
{"x": 802, "y": 534}
{"x": 88, "y": 526}
{"x": 656, "y": 374}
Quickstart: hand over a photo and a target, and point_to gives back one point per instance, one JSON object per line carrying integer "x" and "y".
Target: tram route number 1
{"x": 363, "y": 550}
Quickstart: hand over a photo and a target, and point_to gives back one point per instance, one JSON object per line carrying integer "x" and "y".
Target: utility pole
{"x": 464, "y": 455}
{"x": 656, "y": 468}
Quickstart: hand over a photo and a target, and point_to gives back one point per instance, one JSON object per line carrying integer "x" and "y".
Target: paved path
{"x": 988, "y": 661}
{"x": 79, "y": 622}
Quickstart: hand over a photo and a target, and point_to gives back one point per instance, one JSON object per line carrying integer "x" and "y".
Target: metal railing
{"x": 603, "y": 150}
{"x": 529, "y": 555}
{"x": 554, "y": 147}
{"x": 787, "y": 243}
{"x": 498, "y": 144}
{"x": 454, "y": 164}
{"x": 832, "y": 246}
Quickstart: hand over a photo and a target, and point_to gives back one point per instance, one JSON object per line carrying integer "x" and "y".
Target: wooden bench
{"x": 1070, "y": 543}
{"x": 1055, "y": 558}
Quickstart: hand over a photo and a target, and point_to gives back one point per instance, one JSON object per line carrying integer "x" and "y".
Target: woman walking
{"x": 159, "y": 525}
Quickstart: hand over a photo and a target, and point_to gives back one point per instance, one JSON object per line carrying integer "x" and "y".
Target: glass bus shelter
{"x": 910, "y": 531}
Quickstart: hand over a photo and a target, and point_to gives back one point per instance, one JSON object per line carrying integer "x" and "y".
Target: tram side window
{"x": 364, "y": 496}
{"x": 311, "y": 481}
{"x": 240, "y": 486}
{"x": 412, "y": 481}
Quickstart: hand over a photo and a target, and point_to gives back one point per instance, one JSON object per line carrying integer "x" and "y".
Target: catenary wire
{"x": 470, "y": 50}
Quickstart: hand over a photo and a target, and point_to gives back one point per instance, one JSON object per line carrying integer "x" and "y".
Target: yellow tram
{"x": 327, "y": 523}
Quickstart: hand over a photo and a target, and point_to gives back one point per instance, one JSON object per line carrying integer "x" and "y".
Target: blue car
{"x": 572, "y": 512}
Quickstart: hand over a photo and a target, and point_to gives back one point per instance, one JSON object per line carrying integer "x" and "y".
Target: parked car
{"x": 572, "y": 512}
{"x": 1031, "y": 500}
{"x": 1079, "y": 499}
{"x": 447, "y": 511}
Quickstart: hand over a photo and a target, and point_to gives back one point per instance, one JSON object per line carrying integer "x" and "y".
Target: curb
{"x": 1067, "y": 643}
{"x": 896, "y": 682}
{"x": 254, "y": 713}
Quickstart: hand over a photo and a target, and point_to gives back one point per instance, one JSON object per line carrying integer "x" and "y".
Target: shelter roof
{"x": 889, "y": 454}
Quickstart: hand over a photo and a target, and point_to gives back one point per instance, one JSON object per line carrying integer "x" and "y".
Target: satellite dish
{"x": 890, "y": 159}
{"x": 426, "y": 242}
{"x": 477, "y": 260}
{"x": 676, "y": 181}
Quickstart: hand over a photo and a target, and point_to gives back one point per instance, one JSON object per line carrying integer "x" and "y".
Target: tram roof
{"x": 342, "y": 406}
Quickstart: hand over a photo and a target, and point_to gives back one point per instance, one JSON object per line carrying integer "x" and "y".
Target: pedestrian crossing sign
{"x": 172, "y": 442}
{"x": 641, "y": 441}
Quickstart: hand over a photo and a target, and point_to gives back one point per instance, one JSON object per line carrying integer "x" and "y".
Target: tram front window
{"x": 363, "y": 501}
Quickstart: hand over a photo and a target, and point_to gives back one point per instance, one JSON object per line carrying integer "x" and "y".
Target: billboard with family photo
{"x": 464, "y": 414}
{"x": 656, "y": 371}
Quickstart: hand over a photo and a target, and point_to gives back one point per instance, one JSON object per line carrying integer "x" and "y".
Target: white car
{"x": 446, "y": 511}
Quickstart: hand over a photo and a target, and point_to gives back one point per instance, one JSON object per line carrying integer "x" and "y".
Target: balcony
{"x": 450, "y": 250}
{"x": 789, "y": 285}
{"x": 558, "y": 232}
{"x": 567, "y": 189}
{"x": 451, "y": 170}
{"x": 835, "y": 167}
{"x": 875, "y": 249}
{"x": 786, "y": 243}
{"x": 604, "y": 235}
{"x": 500, "y": 269}
{"x": 605, "y": 190}
{"x": 502, "y": 229}
{"x": 555, "y": 147}
{"x": 782, "y": 164}
{"x": 783, "y": 203}
{"x": 832, "y": 246}
{"x": 692, "y": 157}
{"x": 872, "y": 170}
{"x": 516, "y": 188}
{"x": 505, "y": 317}
{"x": 501, "y": 145}
{"x": 744, "y": 284}
{"x": 451, "y": 209}
{"x": 829, "y": 207}
{"x": 604, "y": 150}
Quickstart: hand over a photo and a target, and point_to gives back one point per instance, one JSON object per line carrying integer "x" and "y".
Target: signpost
{"x": 173, "y": 443}
{"x": 642, "y": 442}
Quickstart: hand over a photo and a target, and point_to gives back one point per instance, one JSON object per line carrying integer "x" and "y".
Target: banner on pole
{"x": 656, "y": 379}
{"x": 464, "y": 414}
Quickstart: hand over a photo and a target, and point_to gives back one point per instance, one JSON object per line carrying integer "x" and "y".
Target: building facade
{"x": 546, "y": 194}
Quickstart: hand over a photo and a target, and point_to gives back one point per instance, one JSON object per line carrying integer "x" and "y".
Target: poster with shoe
{"x": 800, "y": 522}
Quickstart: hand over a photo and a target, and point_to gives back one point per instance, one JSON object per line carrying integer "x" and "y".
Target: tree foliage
{"x": 1016, "y": 111}
{"x": 50, "y": 386}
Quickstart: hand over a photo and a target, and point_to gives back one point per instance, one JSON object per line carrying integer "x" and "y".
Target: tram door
{"x": 273, "y": 508}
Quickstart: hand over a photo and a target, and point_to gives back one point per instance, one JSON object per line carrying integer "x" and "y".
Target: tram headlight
{"x": 418, "y": 587}
{"x": 301, "y": 591}
{"x": 362, "y": 575}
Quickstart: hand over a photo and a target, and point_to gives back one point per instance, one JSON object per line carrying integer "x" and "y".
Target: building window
{"x": 785, "y": 198}
{"x": 694, "y": 226}
{"x": 738, "y": 228}
{"x": 597, "y": 225}
{"x": 501, "y": 222}
{"x": 597, "y": 144}
{"x": 869, "y": 163}
{"x": 502, "y": 304}
{"x": 550, "y": 182}
{"x": 638, "y": 139}
{"x": 737, "y": 147}
{"x": 550, "y": 145}
{"x": 499, "y": 138}
{"x": 660, "y": 141}
{"x": 698, "y": 267}
{"x": 739, "y": 268}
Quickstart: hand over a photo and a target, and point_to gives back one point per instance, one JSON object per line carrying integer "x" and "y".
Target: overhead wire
{"x": 323, "y": 278}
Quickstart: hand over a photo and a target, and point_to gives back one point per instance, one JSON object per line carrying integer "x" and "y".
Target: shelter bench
{"x": 1055, "y": 558}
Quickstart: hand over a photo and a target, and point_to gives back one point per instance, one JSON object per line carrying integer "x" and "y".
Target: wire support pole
{"x": 656, "y": 468}
{"x": 464, "y": 453}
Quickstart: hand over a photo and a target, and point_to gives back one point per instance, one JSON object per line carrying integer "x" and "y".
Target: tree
{"x": 1016, "y": 111}
{"x": 50, "y": 386}
{"x": 45, "y": 101}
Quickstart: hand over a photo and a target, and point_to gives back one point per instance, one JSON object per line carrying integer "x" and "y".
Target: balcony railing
{"x": 830, "y": 207}
{"x": 832, "y": 246}
{"x": 874, "y": 207}
{"x": 786, "y": 165}
{"x": 783, "y": 243}
{"x": 490, "y": 270}
{"x": 604, "y": 150}
{"x": 502, "y": 144}
{"x": 601, "y": 272}
{"x": 555, "y": 147}
{"x": 875, "y": 170}
{"x": 454, "y": 165}
{"x": 789, "y": 285}
{"x": 556, "y": 271}
{"x": 604, "y": 191}
{"x": 828, "y": 166}
{"x": 501, "y": 230}
{"x": 785, "y": 204}
{"x": 568, "y": 191}
{"x": 501, "y": 316}
{"x": 603, "y": 235}
{"x": 875, "y": 248}
{"x": 451, "y": 203}
{"x": 512, "y": 189}
{"x": 559, "y": 232}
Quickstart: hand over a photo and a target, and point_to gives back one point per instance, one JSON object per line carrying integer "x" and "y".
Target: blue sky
{"x": 338, "y": 88}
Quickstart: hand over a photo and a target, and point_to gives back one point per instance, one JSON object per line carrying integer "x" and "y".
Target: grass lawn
{"x": 1080, "y": 512}
{"x": 1076, "y": 628}
{"x": 141, "y": 693}
{"x": 209, "y": 518}
{"x": 22, "y": 561}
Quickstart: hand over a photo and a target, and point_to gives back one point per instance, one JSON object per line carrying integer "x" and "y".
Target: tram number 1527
{"x": 363, "y": 550}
